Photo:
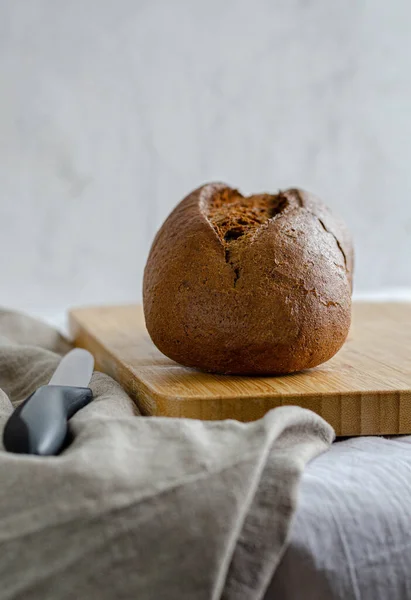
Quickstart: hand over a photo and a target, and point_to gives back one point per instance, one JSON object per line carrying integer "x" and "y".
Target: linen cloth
{"x": 140, "y": 507}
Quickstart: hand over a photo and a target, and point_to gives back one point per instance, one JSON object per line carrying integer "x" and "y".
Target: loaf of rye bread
{"x": 249, "y": 285}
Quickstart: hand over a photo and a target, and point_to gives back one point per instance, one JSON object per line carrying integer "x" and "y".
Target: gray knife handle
{"x": 39, "y": 424}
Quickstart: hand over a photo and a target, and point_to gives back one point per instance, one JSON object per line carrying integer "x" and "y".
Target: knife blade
{"x": 39, "y": 425}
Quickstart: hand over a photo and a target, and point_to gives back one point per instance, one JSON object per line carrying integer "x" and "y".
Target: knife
{"x": 39, "y": 424}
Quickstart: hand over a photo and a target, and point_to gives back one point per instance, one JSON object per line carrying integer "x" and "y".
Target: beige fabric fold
{"x": 145, "y": 508}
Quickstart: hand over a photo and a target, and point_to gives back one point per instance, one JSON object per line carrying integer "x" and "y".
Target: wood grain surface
{"x": 365, "y": 389}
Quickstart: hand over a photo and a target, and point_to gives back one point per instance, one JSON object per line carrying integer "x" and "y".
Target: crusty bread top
{"x": 236, "y": 218}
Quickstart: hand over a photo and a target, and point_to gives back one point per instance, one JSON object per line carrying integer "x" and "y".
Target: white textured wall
{"x": 112, "y": 110}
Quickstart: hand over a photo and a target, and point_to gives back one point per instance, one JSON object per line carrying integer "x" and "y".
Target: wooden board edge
{"x": 356, "y": 414}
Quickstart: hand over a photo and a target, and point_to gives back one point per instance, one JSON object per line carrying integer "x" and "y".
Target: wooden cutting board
{"x": 365, "y": 389}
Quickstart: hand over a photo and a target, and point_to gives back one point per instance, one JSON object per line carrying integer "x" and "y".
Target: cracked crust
{"x": 330, "y": 223}
{"x": 257, "y": 285}
{"x": 236, "y": 219}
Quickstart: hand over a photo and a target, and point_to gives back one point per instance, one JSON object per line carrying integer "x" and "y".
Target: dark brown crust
{"x": 274, "y": 299}
{"x": 331, "y": 224}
